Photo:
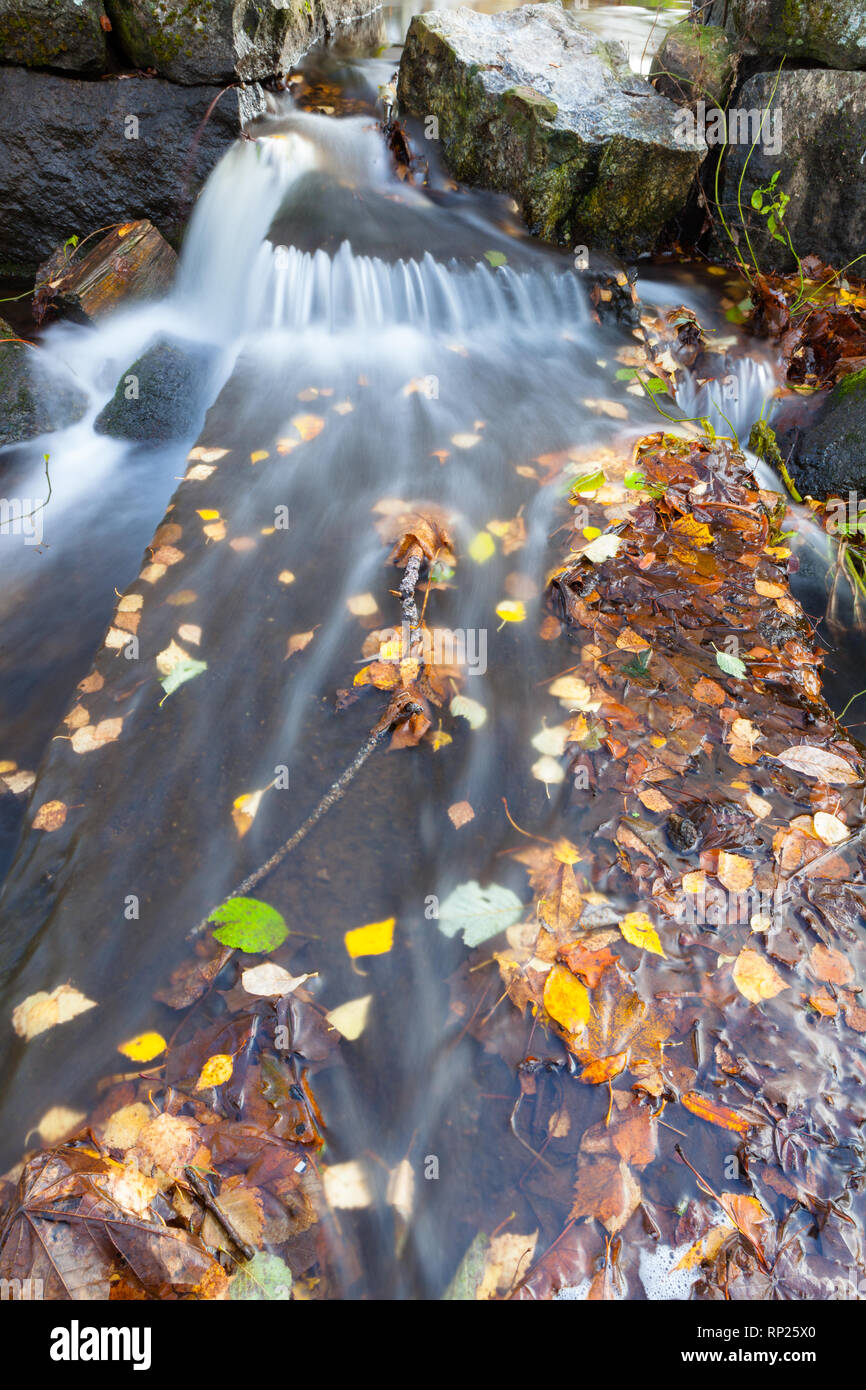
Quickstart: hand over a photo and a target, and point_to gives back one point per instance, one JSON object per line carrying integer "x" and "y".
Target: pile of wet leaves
{"x": 696, "y": 943}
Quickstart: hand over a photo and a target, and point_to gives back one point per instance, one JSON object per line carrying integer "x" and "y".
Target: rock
{"x": 134, "y": 261}
{"x": 532, "y": 103}
{"x": 108, "y": 151}
{"x": 66, "y": 34}
{"x": 826, "y": 459}
{"x": 160, "y": 396}
{"x": 221, "y": 40}
{"x": 33, "y": 400}
{"x": 695, "y": 62}
{"x": 817, "y": 131}
{"x": 831, "y": 33}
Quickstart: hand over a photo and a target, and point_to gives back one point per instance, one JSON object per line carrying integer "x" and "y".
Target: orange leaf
{"x": 713, "y": 1113}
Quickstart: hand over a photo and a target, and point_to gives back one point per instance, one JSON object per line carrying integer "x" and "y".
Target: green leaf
{"x": 179, "y": 674}
{"x": 635, "y": 480}
{"x": 639, "y": 665}
{"x": 731, "y": 665}
{"x": 757, "y": 200}
{"x": 479, "y": 913}
{"x": 263, "y": 1277}
{"x": 496, "y": 258}
{"x": 440, "y": 574}
{"x": 248, "y": 925}
{"x": 655, "y": 385}
{"x": 464, "y": 1286}
{"x": 588, "y": 482}
{"x": 626, "y": 373}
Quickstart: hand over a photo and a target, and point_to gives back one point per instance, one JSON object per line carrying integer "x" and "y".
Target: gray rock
{"x": 695, "y": 62}
{"x": 824, "y": 31}
{"x": 532, "y": 103}
{"x": 817, "y": 125}
{"x": 65, "y": 34}
{"x": 33, "y": 400}
{"x": 195, "y": 41}
{"x": 827, "y": 458}
{"x": 160, "y": 396}
{"x": 69, "y": 165}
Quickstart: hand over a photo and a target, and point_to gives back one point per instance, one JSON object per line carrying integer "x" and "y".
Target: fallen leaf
{"x": 216, "y": 1071}
{"x": 566, "y": 1000}
{"x": 811, "y": 761}
{"x": 374, "y": 939}
{"x": 638, "y": 930}
{"x": 350, "y": 1018}
{"x": 50, "y": 816}
{"x": 460, "y": 814}
{"x": 755, "y": 977}
{"x": 714, "y": 1113}
{"x": 41, "y": 1011}
{"x": 298, "y": 642}
{"x": 479, "y": 913}
{"x": 143, "y": 1047}
{"x": 246, "y": 924}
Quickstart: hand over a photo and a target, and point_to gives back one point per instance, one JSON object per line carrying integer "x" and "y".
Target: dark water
{"x": 340, "y": 295}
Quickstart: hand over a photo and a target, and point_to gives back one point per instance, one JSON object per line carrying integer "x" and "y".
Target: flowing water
{"x": 372, "y": 314}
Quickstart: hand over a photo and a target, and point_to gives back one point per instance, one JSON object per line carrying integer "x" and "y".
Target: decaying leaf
{"x": 755, "y": 977}
{"x": 42, "y": 1011}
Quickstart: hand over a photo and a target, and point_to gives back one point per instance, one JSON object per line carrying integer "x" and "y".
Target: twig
{"x": 201, "y": 1191}
{"x": 334, "y": 794}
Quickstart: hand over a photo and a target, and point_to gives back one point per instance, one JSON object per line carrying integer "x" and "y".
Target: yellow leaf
{"x": 482, "y": 547}
{"x": 41, "y": 1011}
{"x": 566, "y": 999}
{"x": 375, "y": 939}
{"x": 297, "y": 642}
{"x": 259, "y": 456}
{"x": 828, "y": 828}
{"x": 308, "y": 426}
{"x": 511, "y": 610}
{"x": 216, "y": 1071}
{"x": 638, "y": 930}
{"x": 697, "y": 531}
{"x": 208, "y": 514}
{"x": 755, "y": 977}
{"x": 144, "y": 1047}
{"x": 350, "y": 1018}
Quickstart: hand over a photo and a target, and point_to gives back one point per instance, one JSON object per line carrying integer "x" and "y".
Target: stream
{"x": 368, "y": 340}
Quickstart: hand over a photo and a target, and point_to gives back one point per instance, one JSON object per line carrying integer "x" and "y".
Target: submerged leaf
{"x": 479, "y": 913}
{"x": 248, "y": 925}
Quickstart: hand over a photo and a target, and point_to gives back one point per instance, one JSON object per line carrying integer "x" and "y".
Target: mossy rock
{"x": 532, "y": 103}
{"x": 33, "y": 399}
{"x": 695, "y": 63}
{"x": 827, "y": 459}
{"x": 63, "y": 34}
{"x": 832, "y": 32}
{"x": 160, "y": 396}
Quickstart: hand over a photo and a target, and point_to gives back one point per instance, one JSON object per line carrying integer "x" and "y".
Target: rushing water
{"x": 330, "y": 289}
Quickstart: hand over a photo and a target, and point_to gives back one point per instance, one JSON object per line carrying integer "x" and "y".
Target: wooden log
{"x": 133, "y": 261}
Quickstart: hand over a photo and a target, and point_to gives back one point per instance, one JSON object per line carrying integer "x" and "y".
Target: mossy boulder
{"x": 33, "y": 400}
{"x": 828, "y": 458}
{"x": 832, "y": 32}
{"x": 63, "y": 34}
{"x": 816, "y": 131}
{"x": 532, "y": 103}
{"x": 193, "y": 41}
{"x": 160, "y": 397}
{"x": 695, "y": 63}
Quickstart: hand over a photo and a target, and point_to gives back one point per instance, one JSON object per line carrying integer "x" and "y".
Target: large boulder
{"x": 814, "y": 30}
{"x": 816, "y": 132}
{"x": 827, "y": 458}
{"x": 33, "y": 400}
{"x": 65, "y": 34}
{"x": 221, "y": 40}
{"x": 82, "y": 154}
{"x": 161, "y": 395}
{"x": 532, "y": 103}
{"x": 695, "y": 62}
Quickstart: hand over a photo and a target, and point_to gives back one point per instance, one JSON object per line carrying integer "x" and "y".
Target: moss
{"x": 850, "y": 385}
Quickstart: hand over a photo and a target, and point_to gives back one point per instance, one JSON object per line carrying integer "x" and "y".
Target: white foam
{"x": 662, "y": 1283}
